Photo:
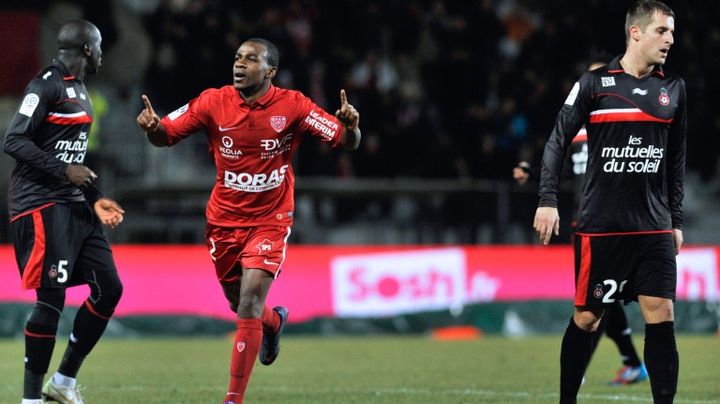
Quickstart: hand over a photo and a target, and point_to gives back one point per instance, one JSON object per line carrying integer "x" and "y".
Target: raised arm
{"x": 149, "y": 122}
{"x": 349, "y": 117}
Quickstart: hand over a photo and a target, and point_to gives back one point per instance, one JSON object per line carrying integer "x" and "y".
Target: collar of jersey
{"x": 614, "y": 67}
{"x": 67, "y": 76}
{"x": 262, "y": 101}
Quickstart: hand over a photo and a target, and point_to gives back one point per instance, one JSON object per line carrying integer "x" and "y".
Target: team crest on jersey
{"x": 598, "y": 292}
{"x": 664, "y": 97}
{"x": 278, "y": 123}
{"x": 265, "y": 246}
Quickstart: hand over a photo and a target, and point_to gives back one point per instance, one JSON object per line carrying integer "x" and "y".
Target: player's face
{"x": 657, "y": 38}
{"x": 251, "y": 69}
{"x": 95, "y": 57}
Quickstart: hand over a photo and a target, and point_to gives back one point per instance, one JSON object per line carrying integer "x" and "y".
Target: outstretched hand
{"x": 148, "y": 120}
{"x": 109, "y": 212}
{"x": 347, "y": 114}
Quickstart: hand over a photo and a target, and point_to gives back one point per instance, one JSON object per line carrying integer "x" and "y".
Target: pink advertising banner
{"x": 359, "y": 281}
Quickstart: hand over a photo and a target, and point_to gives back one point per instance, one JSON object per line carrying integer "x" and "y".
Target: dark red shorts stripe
{"x": 32, "y": 274}
{"x": 581, "y": 287}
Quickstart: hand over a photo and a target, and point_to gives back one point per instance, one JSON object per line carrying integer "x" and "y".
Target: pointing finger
{"x": 343, "y": 98}
{"x": 148, "y": 105}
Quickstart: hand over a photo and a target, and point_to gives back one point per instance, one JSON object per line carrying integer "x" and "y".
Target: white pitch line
{"x": 488, "y": 393}
{"x": 434, "y": 392}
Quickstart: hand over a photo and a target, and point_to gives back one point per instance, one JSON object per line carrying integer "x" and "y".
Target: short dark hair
{"x": 272, "y": 54}
{"x": 641, "y": 13}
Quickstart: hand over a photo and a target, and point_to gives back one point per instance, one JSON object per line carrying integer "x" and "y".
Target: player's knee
{"x": 107, "y": 293}
{"x": 656, "y": 309}
{"x": 49, "y": 307}
{"x": 111, "y": 296}
{"x": 115, "y": 290}
{"x": 250, "y": 306}
{"x": 587, "y": 320}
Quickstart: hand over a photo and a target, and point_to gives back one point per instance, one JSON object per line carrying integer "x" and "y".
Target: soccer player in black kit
{"x": 56, "y": 214}
{"x": 614, "y": 322}
{"x": 629, "y": 227}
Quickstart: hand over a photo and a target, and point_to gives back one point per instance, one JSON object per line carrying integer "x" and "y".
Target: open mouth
{"x": 664, "y": 51}
{"x": 239, "y": 76}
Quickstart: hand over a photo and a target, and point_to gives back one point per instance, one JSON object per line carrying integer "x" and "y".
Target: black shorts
{"x": 614, "y": 267}
{"x": 56, "y": 244}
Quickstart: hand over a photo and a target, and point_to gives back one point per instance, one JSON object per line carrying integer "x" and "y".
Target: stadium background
{"x": 451, "y": 99}
{"x": 422, "y": 229}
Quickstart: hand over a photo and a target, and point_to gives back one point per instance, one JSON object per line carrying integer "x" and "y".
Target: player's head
{"x": 649, "y": 27}
{"x": 81, "y": 38}
{"x": 256, "y": 62}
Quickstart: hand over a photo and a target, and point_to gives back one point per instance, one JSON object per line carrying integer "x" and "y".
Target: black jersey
{"x": 49, "y": 131}
{"x": 636, "y": 131}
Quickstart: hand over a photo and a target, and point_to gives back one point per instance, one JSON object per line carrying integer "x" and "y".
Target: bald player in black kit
{"x": 57, "y": 213}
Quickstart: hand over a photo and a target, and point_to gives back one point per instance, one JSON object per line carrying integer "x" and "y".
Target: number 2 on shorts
{"x": 608, "y": 298}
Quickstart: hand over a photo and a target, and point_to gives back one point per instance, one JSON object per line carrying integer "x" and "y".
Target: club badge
{"x": 598, "y": 292}
{"x": 664, "y": 97}
{"x": 278, "y": 123}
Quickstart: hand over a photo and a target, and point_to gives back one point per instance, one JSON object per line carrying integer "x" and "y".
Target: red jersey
{"x": 252, "y": 146}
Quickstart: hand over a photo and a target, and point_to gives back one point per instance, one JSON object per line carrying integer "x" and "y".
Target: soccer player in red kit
{"x": 253, "y": 130}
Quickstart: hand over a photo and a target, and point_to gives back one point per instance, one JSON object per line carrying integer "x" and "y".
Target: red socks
{"x": 270, "y": 319}
{"x": 244, "y": 353}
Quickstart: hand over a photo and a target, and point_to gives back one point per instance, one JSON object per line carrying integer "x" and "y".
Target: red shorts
{"x": 234, "y": 248}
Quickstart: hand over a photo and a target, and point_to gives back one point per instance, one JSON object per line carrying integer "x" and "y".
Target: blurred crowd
{"x": 446, "y": 89}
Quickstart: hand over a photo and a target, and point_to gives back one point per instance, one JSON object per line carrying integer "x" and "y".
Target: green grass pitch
{"x": 362, "y": 370}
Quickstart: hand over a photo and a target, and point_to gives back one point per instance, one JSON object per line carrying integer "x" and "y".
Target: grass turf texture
{"x": 362, "y": 370}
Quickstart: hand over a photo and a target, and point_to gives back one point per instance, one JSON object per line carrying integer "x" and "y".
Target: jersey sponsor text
{"x": 651, "y": 154}
{"x": 327, "y": 127}
{"x": 255, "y": 182}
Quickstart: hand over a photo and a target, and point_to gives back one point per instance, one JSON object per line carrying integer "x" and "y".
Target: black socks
{"x": 662, "y": 361}
{"x": 575, "y": 354}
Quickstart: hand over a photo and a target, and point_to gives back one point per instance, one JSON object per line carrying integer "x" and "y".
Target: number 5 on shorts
{"x": 62, "y": 271}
